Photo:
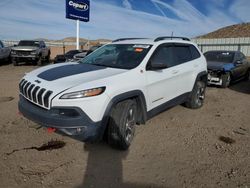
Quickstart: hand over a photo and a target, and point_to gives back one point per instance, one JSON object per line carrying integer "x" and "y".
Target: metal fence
{"x": 241, "y": 44}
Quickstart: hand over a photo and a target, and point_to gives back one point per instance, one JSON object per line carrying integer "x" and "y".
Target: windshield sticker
{"x": 138, "y": 49}
{"x": 141, "y": 46}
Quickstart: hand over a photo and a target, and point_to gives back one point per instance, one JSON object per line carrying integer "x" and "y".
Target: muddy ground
{"x": 208, "y": 147}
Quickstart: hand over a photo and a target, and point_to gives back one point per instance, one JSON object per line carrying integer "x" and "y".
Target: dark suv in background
{"x": 225, "y": 67}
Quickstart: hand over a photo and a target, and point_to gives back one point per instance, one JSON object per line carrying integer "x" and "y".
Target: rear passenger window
{"x": 195, "y": 53}
{"x": 182, "y": 54}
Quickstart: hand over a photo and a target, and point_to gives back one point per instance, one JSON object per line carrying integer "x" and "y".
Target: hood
{"x": 215, "y": 65}
{"x": 25, "y": 48}
{"x": 60, "y": 77}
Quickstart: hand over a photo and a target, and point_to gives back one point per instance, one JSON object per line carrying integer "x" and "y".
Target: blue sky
{"x": 27, "y": 19}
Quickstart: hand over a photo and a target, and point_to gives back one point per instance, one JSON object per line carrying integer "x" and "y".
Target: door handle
{"x": 195, "y": 65}
{"x": 175, "y": 71}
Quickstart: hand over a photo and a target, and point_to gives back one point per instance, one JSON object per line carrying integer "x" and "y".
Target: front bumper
{"x": 71, "y": 121}
{"x": 214, "y": 78}
{"x": 24, "y": 57}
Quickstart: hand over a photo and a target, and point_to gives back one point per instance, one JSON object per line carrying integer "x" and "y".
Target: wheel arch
{"x": 136, "y": 95}
{"x": 202, "y": 76}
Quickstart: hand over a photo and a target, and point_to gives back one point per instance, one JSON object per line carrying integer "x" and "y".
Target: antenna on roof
{"x": 172, "y": 34}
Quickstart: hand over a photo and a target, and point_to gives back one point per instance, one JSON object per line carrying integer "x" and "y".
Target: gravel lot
{"x": 208, "y": 147}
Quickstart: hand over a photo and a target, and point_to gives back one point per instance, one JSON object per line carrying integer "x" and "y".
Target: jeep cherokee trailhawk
{"x": 121, "y": 84}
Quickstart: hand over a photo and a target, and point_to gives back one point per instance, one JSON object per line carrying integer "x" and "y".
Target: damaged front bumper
{"x": 214, "y": 78}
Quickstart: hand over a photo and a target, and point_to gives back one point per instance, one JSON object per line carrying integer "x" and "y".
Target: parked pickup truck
{"x": 4, "y": 52}
{"x": 30, "y": 51}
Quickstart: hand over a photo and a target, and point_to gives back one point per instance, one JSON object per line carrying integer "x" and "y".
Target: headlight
{"x": 33, "y": 52}
{"x": 84, "y": 93}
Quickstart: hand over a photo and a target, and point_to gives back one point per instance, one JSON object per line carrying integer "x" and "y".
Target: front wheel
{"x": 122, "y": 124}
{"x": 39, "y": 61}
{"x": 197, "y": 96}
{"x": 14, "y": 62}
{"x": 226, "y": 79}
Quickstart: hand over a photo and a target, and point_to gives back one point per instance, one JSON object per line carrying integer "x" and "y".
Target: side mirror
{"x": 157, "y": 66}
{"x": 15, "y": 45}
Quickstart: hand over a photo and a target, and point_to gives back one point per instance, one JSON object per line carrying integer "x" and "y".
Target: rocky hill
{"x": 232, "y": 31}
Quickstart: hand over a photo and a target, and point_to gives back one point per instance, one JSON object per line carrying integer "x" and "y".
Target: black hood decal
{"x": 68, "y": 70}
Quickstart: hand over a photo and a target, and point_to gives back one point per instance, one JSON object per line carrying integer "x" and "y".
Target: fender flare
{"x": 202, "y": 76}
{"x": 134, "y": 94}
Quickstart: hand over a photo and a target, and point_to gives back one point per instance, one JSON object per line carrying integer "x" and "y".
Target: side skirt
{"x": 167, "y": 105}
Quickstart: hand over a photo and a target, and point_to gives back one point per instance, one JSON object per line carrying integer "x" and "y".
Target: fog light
{"x": 79, "y": 130}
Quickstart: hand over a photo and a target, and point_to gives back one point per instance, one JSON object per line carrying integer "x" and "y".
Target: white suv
{"x": 119, "y": 85}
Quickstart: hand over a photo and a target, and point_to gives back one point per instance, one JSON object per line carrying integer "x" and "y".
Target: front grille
{"x": 23, "y": 53}
{"x": 34, "y": 93}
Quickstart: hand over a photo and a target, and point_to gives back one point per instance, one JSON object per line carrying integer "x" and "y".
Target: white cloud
{"x": 35, "y": 19}
{"x": 241, "y": 10}
{"x": 127, "y": 4}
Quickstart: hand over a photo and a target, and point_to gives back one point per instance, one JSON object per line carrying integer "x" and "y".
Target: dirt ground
{"x": 208, "y": 147}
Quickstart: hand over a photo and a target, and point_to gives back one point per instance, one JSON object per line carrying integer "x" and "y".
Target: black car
{"x": 67, "y": 57}
{"x": 93, "y": 48}
{"x": 225, "y": 67}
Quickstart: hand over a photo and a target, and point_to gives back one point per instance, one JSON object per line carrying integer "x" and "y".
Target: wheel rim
{"x": 200, "y": 95}
{"x": 130, "y": 123}
{"x": 228, "y": 79}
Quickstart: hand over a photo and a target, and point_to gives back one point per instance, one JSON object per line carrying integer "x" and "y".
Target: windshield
{"x": 28, "y": 43}
{"x": 123, "y": 56}
{"x": 225, "y": 57}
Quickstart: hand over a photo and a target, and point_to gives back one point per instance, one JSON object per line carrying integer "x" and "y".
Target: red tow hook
{"x": 51, "y": 130}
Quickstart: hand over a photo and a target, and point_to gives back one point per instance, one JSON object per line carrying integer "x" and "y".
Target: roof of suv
{"x": 151, "y": 41}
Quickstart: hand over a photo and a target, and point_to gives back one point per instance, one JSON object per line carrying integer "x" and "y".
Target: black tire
{"x": 226, "y": 79}
{"x": 197, "y": 96}
{"x": 48, "y": 57}
{"x": 39, "y": 61}
{"x": 15, "y": 63}
{"x": 247, "y": 76}
{"x": 122, "y": 124}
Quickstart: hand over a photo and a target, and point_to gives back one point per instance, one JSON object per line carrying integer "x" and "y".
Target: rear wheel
{"x": 226, "y": 79}
{"x": 122, "y": 124}
{"x": 247, "y": 76}
{"x": 48, "y": 57}
{"x": 197, "y": 97}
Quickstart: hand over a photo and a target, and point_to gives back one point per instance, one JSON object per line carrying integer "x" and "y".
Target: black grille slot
{"x": 34, "y": 98}
{"x": 39, "y": 96}
{"x": 25, "y": 89}
{"x": 24, "y": 83}
{"x": 20, "y": 85}
{"x": 46, "y": 98}
{"x": 29, "y": 91}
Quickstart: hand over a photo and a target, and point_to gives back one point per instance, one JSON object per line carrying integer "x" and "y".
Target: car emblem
{"x": 38, "y": 81}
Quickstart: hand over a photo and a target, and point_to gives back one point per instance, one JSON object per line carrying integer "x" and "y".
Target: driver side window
{"x": 164, "y": 55}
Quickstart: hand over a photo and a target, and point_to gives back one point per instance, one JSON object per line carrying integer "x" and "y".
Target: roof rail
{"x": 121, "y": 39}
{"x": 171, "y": 37}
